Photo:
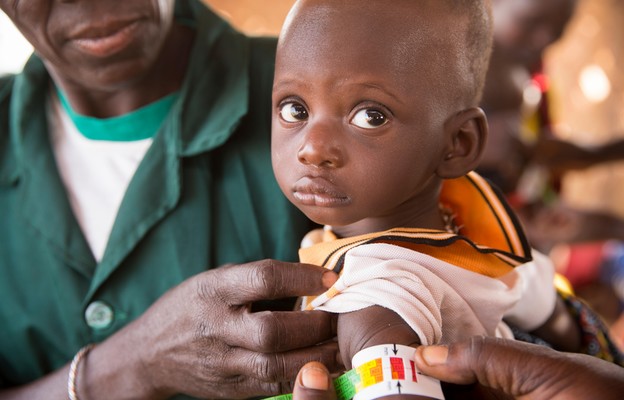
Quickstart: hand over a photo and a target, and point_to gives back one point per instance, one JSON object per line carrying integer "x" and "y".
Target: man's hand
{"x": 496, "y": 369}
{"x": 522, "y": 370}
{"x": 314, "y": 383}
{"x": 202, "y": 339}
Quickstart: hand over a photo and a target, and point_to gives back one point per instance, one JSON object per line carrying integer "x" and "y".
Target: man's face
{"x": 524, "y": 28}
{"x": 96, "y": 43}
{"x": 358, "y": 111}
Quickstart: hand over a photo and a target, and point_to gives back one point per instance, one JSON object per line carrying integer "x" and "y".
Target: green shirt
{"x": 204, "y": 195}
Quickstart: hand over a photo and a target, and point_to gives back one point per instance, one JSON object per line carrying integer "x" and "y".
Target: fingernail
{"x": 435, "y": 355}
{"x": 329, "y": 278}
{"x": 315, "y": 378}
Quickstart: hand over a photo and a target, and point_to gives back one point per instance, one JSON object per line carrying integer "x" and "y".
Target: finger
{"x": 280, "y": 367}
{"x": 278, "y": 331}
{"x": 270, "y": 279}
{"x": 313, "y": 383}
{"x": 434, "y": 361}
{"x": 495, "y": 363}
{"x": 245, "y": 387}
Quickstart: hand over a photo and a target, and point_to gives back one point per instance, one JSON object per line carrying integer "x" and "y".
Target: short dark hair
{"x": 478, "y": 42}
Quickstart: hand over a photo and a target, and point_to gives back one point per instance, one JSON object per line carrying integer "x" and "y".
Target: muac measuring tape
{"x": 383, "y": 370}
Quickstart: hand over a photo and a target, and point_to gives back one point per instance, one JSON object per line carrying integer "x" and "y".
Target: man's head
{"x": 524, "y": 28}
{"x": 380, "y": 95}
{"x": 94, "y": 43}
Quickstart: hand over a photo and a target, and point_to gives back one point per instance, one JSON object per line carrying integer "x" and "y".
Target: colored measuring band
{"x": 389, "y": 369}
{"x": 382, "y": 371}
{"x": 344, "y": 386}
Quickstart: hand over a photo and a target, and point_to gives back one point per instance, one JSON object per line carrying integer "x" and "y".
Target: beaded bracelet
{"x": 73, "y": 371}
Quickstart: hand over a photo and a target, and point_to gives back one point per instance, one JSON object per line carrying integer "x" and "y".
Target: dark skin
{"x": 348, "y": 120}
{"x": 200, "y": 338}
{"x": 506, "y": 369}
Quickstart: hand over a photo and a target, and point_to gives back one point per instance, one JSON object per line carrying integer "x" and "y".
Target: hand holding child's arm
{"x": 507, "y": 367}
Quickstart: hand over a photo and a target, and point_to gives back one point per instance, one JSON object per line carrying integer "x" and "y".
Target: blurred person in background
{"x": 526, "y": 159}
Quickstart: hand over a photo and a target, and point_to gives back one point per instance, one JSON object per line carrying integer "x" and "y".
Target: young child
{"x": 375, "y": 133}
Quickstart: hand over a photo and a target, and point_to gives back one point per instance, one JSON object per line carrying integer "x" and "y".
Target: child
{"x": 375, "y": 132}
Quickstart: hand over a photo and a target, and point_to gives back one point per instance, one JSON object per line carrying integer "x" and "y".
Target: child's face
{"x": 95, "y": 42}
{"x": 524, "y": 28}
{"x": 358, "y": 112}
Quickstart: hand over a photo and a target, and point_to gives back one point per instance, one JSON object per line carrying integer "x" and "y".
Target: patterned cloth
{"x": 595, "y": 338}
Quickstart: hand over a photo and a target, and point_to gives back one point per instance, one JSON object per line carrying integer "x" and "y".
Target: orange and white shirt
{"x": 446, "y": 286}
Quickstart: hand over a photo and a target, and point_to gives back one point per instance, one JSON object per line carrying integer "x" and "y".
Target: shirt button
{"x": 99, "y": 315}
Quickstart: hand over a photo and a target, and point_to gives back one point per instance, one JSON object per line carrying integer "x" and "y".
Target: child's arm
{"x": 371, "y": 326}
{"x": 560, "y": 330}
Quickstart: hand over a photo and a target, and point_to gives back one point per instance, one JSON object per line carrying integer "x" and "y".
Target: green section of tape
{"x": 345, "y": 384}
{"x": 345, "y": 387}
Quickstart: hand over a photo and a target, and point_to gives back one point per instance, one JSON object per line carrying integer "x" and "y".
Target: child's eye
{"x": 293, "y": 112}
{"x": 369, "y": 119}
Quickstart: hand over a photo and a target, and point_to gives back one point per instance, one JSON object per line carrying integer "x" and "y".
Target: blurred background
{"x": 585, "y": 67}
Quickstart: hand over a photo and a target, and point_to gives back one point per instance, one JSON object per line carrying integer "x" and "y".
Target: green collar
{"x": 139, "y": 124}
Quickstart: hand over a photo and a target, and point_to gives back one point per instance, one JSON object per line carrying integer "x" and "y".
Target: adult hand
{"x": 522, "y": 370}
{"x": 562, "y": 155}
{"x": 202, "y": 339}
{"x": 314, "y": 383}
{"x": 503, "y": 369}
{"x": 551, "y": 225}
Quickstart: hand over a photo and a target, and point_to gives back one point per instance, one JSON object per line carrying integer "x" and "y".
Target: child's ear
{"x": 465, "y": 133}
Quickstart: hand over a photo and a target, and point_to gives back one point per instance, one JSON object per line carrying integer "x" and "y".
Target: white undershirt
{"x": 441, "y": 302}
{"x": 96, "y": 174}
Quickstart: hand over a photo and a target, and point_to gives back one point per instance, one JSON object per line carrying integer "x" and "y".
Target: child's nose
{"x": 321, "y": 147}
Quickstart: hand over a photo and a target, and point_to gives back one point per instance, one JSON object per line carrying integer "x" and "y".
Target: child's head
{"x": 524, "y": 28}
{"x": 374, "y": 103}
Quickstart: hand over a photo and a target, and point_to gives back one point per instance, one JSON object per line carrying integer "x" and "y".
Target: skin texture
{"x": 111, "y": 57}
{"x": 201, "y": 339}
{"x": 501, "y": 369}
{"x": 353, "y": 145}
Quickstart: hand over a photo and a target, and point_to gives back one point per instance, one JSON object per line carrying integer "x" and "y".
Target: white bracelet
{"x": 73, "y": 371}
{"x": 389, "y": 369}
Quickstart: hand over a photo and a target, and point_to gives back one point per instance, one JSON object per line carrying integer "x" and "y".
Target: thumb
{"x": 495, "y": 363}
{"x": 314, "y": 383}
{"x": 522, "y": 370}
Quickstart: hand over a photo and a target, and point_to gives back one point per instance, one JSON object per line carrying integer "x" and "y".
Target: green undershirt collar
{"x": 142, "y": 123}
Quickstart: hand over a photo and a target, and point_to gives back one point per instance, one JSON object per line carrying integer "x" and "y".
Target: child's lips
{"x": 106, "y": 40}
{"x": 316, "y": 191}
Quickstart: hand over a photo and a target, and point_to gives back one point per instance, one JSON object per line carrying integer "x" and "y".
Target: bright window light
{"x": 14, "y": 49}
{"x": 595, "y": 83}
